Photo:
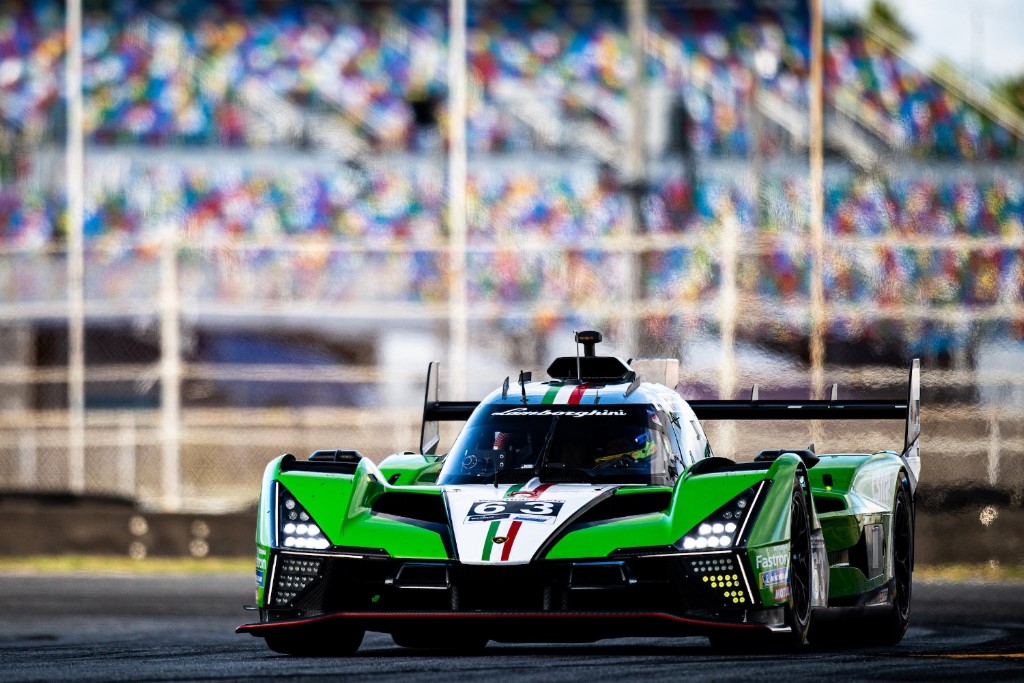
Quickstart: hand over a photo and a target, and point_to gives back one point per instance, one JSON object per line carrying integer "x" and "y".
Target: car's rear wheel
{"x": 330, "y": 644}
{"x": 889, "y": 627}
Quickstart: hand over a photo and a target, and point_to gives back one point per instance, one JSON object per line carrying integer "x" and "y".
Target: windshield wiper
{"x": 542, "y": 461}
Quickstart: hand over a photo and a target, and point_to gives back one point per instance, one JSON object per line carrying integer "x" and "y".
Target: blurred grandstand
{"x": 271, "y": 176}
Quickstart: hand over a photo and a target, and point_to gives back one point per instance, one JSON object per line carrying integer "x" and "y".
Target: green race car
{"x": 591, "y": 506}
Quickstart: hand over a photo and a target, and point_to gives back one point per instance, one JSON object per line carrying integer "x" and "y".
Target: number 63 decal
{"x": 501, "y": 509}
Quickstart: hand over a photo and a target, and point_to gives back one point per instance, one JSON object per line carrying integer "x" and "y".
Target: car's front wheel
{"x": 798, "y": 611}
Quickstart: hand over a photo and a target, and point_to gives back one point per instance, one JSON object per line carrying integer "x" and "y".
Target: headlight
{"x": 295, "y": 528}
{"x": 725, "y": 527}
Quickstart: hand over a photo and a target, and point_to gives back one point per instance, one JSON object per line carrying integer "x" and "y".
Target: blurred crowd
{"x": 196, "y": 72}
{"x": 214, "y": 75}
{"x": 380, "y": 236}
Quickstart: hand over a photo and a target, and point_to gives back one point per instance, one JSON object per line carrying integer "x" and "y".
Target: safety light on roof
{"x": 296, "y": 529}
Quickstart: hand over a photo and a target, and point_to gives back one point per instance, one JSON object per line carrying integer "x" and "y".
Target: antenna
{"x": 579, "y": 373}
{"x": 524, "y": 377}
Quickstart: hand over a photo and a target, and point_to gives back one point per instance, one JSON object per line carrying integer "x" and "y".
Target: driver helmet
{"x": 637, "y": 447}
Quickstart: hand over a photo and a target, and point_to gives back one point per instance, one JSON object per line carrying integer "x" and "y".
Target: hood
{"x": 509, "y": 524}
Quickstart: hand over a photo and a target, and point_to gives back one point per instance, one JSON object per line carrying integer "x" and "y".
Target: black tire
{"x": 798, "y": 611}
{"x": 333, "y": 644}
{"x": 462, "y": 643}
{"x": 889, "y": 627}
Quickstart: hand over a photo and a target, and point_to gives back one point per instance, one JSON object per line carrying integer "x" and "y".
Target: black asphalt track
{"x": 181, "y": 628}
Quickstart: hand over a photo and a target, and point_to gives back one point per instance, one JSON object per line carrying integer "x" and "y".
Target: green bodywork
{"x": 340, "y": 505}
{"x": 865, "y": 486}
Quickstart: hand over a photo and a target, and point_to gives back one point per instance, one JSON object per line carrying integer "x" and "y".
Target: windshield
{"x": 600, "y": 444}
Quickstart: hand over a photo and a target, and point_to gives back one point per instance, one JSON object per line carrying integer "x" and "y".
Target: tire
{"x": 879, "y": 630}
{"x": 462, "y": 643}
{"x": 798, "y": 611}
{"x": 332, "y": 644}
{"x": 890, "y": 628}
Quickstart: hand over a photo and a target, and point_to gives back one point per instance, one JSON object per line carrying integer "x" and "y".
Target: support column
{"x": 817, "y": 227}
{"x": 170, "y": 374}
{"x": 75, "y": 257}
{"x": 458, "y": 307}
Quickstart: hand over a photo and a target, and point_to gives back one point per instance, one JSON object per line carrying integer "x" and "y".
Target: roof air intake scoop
{"x": 589, "y": 339}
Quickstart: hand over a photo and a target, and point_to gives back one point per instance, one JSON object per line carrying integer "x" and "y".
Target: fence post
{"x": 170, "y": 373}
{"x": 127, "y": 447}
{"x": 994, "y": 443}
{"x": 28, "y": 460}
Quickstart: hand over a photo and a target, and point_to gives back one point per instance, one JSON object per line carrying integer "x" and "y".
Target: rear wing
{"x": 908, "y": 410}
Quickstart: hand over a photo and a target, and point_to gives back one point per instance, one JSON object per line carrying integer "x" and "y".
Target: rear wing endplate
{"x": 435, "y": 412}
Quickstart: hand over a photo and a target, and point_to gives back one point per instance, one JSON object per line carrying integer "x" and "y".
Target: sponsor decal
{"x": 774, "y": 577}
{"x": 492, "y": 510}
{"x": 539, "y": 520}
{"x": 774, "y": 558}
{"x": 486, "y": 518}
{"x": 261, "y": 567}
{"x": 781, "y": 593}
{"x": 559, "y": 413}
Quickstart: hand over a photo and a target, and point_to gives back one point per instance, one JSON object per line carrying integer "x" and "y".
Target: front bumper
{"x": 635, "y": 593}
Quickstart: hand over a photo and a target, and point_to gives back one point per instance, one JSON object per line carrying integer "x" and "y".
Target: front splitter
{"x": 511, "y": 626}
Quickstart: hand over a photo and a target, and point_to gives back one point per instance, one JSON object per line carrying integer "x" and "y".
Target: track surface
{"x": 182, "y": 628}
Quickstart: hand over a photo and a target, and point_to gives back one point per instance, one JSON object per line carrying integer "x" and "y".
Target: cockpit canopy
{"x": 625, "y": 443}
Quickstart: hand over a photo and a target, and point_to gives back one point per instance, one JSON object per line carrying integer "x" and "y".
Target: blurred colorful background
{"x": 270, "y": 258}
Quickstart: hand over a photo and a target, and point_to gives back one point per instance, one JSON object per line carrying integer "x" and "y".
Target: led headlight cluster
{"x": 721, "y": 528}
{"x": 296, "y": 529}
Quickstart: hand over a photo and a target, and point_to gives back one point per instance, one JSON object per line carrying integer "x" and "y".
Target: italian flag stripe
{"x": 492, "y": 530}
{"x": 513, "y": 489}
{"x": 489, "y": 542}
{"x": 549, "y": 397}
{"x": 506, "y": 549}
{"x": 577, "y": 394}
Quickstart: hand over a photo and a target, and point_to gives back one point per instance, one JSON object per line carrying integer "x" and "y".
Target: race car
{"x": 586, "y": 506}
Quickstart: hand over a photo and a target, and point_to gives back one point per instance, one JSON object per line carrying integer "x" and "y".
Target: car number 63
{"x": 526, "y": 507}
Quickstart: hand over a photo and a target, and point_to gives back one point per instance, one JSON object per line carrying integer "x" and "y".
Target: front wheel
{"x": 798, "y": 611}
